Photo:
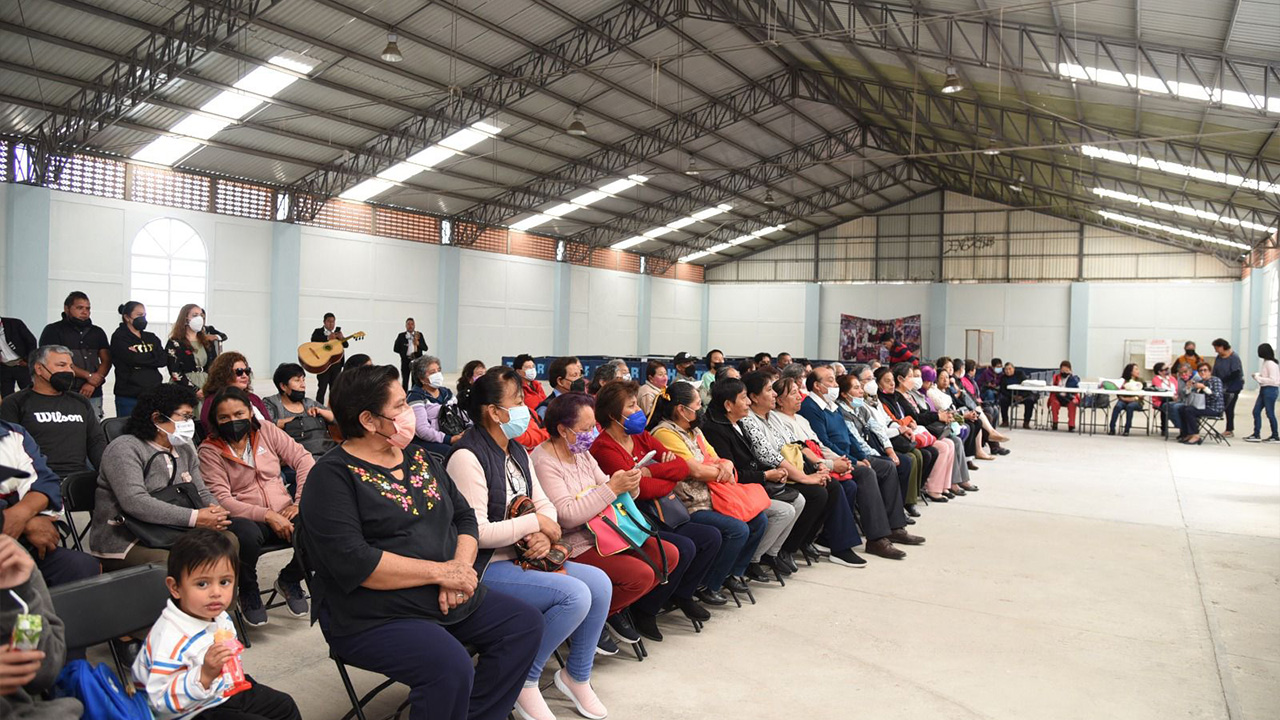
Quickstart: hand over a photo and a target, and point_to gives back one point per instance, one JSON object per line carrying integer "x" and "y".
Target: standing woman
{"x": 492, "y": 471}
{"x": 137, "y": 355}
{"x": 191, "y": 348}
{"x": 1268, "y": 379}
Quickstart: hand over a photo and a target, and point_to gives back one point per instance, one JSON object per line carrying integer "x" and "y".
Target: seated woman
{"x": 969, "y": 405}
{"x": 945, "y": 478}
{"x": 231, "y": 369}
{"x": 492, "y": 472}
{"x": 470, "y": 373}
{"x": 937, "y": 386}
{"x": 622, "y": 445}
{"x": 427, "y": 378}
{"x": 527, "y": 368}
{"x": 1128, "y": 404}
{"x": 191, "y": 348}
{"x": 241, "y": 463}
{"x": 676, "y": 423}
{"x": 1071, "y": 401}
{"x": 655, "y": 374}
{"x": 933, "y": 417}
{"x": 1163, "y": 378}
{"x": 391, "y": 545}
{"x": 155, "y": 451}
{"x": 580, "y": 491}
{"x": 300, "y": 417}
{"x": 1010, "y": 376}
{"x": 852, "y": 404}
{"x": 901, "y": 435}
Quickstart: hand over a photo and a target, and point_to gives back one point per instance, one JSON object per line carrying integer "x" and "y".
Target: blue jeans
{"x": 737, "y": 545}
{"x": 1266, "y": 399}
{"x": 1129, "y": 407}
{"x": 1173, "y": 411}
{"x": 574, "y": 606}
{"x": 124, "y": 406}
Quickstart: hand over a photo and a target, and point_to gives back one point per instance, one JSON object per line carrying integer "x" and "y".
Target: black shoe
{"x": 711, "y": 597}
{"x": 1111, "y": 431}
{"x": 813, "y": 549}
{"x": 957, "y": 491}
{"x": 756, "y": 573}
{"x": 775, "y": 564}
{"x": 692, "y": 609}
{"x": 972, "y": 466}
{"x": 912, "y": 511}
{"x": 910, "y": 521}
{"x": 789, "y": 563}
{"x": 646, "y": 625}
{"x": 940, "y": 499}
{"x": 252, "y": 609}
{"x": 605, "y": 645}
{"x": 848, "y": 558}
{"x": 949, "y": 495}
{"x": 622, "y": 629}
{"x": 736, "y": 586}
{"x": 1055, "y": 427}
{"x": 1003, "y": 451}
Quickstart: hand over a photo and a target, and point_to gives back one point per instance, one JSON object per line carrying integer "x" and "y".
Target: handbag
{"x": 183, "y": 495}
{"x": 781, "y": 491}
{"x": 667, "y": 511}
{"x": 453, "y": 420}
{"x": 555, "y": 558}
{"x": 924, "y": 438}
{"x": 620, "y": 528}
{"x": 743, "y": 502}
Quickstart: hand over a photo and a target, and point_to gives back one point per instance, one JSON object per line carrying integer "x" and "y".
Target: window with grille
{"x": 168, "y": 268}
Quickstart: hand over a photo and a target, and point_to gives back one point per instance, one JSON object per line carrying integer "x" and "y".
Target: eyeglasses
{"x": 241, "y": 372}
{"x": 181, "y": 418}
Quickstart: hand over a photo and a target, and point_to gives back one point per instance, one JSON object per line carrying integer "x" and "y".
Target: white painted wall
{"x": 1030, "y": 322}
{"x": 675, "y": 313}
{"x": 746, "y": 319}
{"x": 604, "y": 312}
{"x": 1142, "y": 311}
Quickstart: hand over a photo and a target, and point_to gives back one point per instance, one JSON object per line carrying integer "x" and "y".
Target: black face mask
{"x": 698, "y": 416}
{"x": 579, "y": 385}
{"x": 297, "y": 395}
{"x": 62, "y": 381}
{"x": 234, "y": 430}
{"x": 688, "y": 370}
{"x": 140, "y": 323}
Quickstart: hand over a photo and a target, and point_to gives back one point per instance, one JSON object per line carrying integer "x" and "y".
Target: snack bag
{"x": 27, "y": 628}
{"x": 233, "y": 667}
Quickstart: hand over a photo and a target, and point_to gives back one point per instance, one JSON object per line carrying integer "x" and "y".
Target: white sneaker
{"x": 1272, "y": 440}
{"x": 1253, "y": 438}
{"x": 589, "y": 706}
{"x": 530, "y": 705}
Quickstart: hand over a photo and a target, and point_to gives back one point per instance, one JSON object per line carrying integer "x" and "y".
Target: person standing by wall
{"x": 328, "y": 331}
{"x": 1228, "y": 368}
{"x": 1268, "y": 379}
{"x": 16, "y": 343}
{"x": 90, "y": 349}
{"x": 139, "y": 357}
{"x": 409, "y": 346}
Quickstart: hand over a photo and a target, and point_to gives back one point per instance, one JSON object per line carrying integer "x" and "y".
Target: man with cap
{"x": 686, "y": 368}
{"x": 31, "y": 498}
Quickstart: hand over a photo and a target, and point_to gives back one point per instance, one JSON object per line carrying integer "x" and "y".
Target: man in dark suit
{"x": 409, "y": 346}
{"x": 329, "y": 331}
{"x": 16, "y": 344}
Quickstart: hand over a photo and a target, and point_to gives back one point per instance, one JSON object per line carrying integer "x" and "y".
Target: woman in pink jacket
{"x": 241, "y": 462}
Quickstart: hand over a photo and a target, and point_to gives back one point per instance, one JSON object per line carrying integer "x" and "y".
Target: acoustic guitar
{"x": 318, "y": 357}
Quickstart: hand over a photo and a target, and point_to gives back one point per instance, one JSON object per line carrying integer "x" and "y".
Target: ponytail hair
{"x": 128, "y": 307}
{"x": 674, "y": 395}
{"x": 488, "y": 390}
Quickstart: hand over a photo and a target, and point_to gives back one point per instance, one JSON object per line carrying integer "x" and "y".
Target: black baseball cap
{"x": 683, "y": 358}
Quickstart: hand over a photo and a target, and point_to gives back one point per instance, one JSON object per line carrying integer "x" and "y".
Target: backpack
{"x": 453, "y": 420}
{"x": 98, "y": 689}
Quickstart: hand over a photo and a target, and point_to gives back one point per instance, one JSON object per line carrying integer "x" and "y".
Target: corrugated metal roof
{"x": 1256, "y": 29}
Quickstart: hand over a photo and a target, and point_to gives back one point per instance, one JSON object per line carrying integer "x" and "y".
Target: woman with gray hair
{"x": 428, "y": 382}
{"x": 429, "y": 398}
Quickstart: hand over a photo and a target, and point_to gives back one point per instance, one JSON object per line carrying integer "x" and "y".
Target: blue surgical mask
{"x": 856, "y": 401}
{"x": 518, "y": 422}
{"x": 635, "y": 422}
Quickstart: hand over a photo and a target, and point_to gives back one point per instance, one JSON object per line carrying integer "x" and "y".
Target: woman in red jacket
{"x": 622, "y": 443}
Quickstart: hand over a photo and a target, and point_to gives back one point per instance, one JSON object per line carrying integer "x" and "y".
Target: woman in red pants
{"x": 1071, "y": 401}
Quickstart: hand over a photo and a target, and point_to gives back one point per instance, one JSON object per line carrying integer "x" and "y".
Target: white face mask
{"x": 871, "y": 389}
{"x": 196, "y": 323}
{"x": 184, "y": 431}
{"x": 832, "y": 394}
{"x": 436, "y": 379}
{"x": 625, "y": 378}
{"x": 531, "y": 374}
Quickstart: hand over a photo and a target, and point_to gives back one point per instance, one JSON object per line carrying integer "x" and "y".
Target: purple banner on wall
{"x": 859, "y": 337}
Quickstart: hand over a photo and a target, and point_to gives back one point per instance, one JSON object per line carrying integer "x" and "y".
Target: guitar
{"x": 318, "y": 357}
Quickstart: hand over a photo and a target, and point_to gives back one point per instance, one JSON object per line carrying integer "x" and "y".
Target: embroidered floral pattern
{"x": 418, "y": 477}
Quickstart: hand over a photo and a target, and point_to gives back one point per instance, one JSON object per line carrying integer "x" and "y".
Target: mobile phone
{"x": 647, "y": 459}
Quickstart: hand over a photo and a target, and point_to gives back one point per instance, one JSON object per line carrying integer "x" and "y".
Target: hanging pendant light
{"x": 953, "y": 84}
{"x": 693, "y": 167}
{"x": 1017, "y": 187}
{"x": 576, "y": 128}
{"x": 391, "y": 53}
{"x": 769, "y": 199}
{"x": 992, "y": 148}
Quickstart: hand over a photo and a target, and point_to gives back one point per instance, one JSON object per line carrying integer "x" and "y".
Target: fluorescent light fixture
{"x": 431, "y": 157}
{"x": 682, "y": 223}
{"x": 1139, "y": 222}
{"x": 712, "y": 212}
{"x": 734, "y": 242}
{"x": 673, "y": 226}
{"x": 658, "y": 232}
{"x": 1181, "y": 210}
{"x": 367, "y": 189}
{"x": 261, "y": 82}
{"x": 1156, "y": 86}
{"x": 629, "y": 242}
{"x": 1179, "y": 169}
{"x": 400, "y": 172}
{"x": 580, "y": 202}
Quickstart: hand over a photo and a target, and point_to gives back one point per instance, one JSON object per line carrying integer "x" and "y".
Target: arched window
{"x": 168, "y": 268}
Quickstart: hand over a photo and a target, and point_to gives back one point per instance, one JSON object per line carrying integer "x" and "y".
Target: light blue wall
{"x": 1078, "y": 329}
{"x": 812, "y": 319}
{"x": 561, "y": 294}
{"x": 936, "y": 343}
{"x": 447, "y": 306}
{"x": 286, "y": 287}
{"x": 26, "y": 281}
{"x": 644, "y": 317}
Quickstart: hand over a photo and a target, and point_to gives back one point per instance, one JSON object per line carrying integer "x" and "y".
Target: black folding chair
{"x": 78, "y": 490}
{"x": 100, "y": 609}
{"x": 272, "y": 599}
{"x": 1209, "y": 426}
{"x": 113, "y": 427}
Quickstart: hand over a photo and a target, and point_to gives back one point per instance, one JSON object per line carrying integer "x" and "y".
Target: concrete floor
{"x": 1091, "y": 576}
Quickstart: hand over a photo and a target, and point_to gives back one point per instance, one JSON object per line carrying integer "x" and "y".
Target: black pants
{"x": 1028, "y": 403}
{"x": 406, "y": 371}
{"x": 880, "y": 500}
{"x": 807, "y": 525}
{"x": 1230, "y": 409}
{"x": 696, "y": 541}
{"x": 257, "y": 703}
{"x": 11, "y": 375}
{"x": 325, "y": 379}
{"x": 930, "y": 457}
{"x": 253, "y": 536}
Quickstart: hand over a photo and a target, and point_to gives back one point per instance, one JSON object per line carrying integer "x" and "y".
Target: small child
{"x": 189, "y": 664}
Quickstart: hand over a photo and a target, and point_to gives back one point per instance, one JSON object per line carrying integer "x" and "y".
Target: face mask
{"x": 196, "y": 323}
{"x": 697, "y": 417}
{"x": 871, "y": 389}
{"x": 660, "y": 381}
{"x": 624, "y": 378}
{"x": 140, "y": 323}
{"x": 582, "y": 441}
{"x": 531, "y": 374}
{"x": 62, "y": 381}
{"x": 635, "y": 422}
{"x": 436, "y": 379}
{"x": 856, "y": 401}
{"x": 689, "y": 371}
{"x": 578, "y": 385}
{"x": 832, "y": 394}
{"x": 405, "y": 423}
{"x": 183, "y": 432}
{"x": 297, "y": 395}
{"x": 518, "y": 422}
{"x": 234, "y": 430}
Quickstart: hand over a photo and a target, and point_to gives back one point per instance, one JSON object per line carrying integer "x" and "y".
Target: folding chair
{"x": 99, "y": 609}
{"x": 113, "y": 427}
{"x": 1209, "y": 426}
{"x": 272, "y": 600}
{"x": 78, "y": 490}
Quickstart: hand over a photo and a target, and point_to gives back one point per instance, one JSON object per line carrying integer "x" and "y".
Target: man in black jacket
{"x": 410, "y": 346}
{"x": 90, "y": 348}
{"x": 16, "y": 343}
{"x": 328, "y": 331}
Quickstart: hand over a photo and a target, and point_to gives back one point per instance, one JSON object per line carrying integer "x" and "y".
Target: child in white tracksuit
{"x": 183, "y": 666}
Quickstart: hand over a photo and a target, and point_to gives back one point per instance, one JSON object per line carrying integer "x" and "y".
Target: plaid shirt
{"x": 1215, "y": 401}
